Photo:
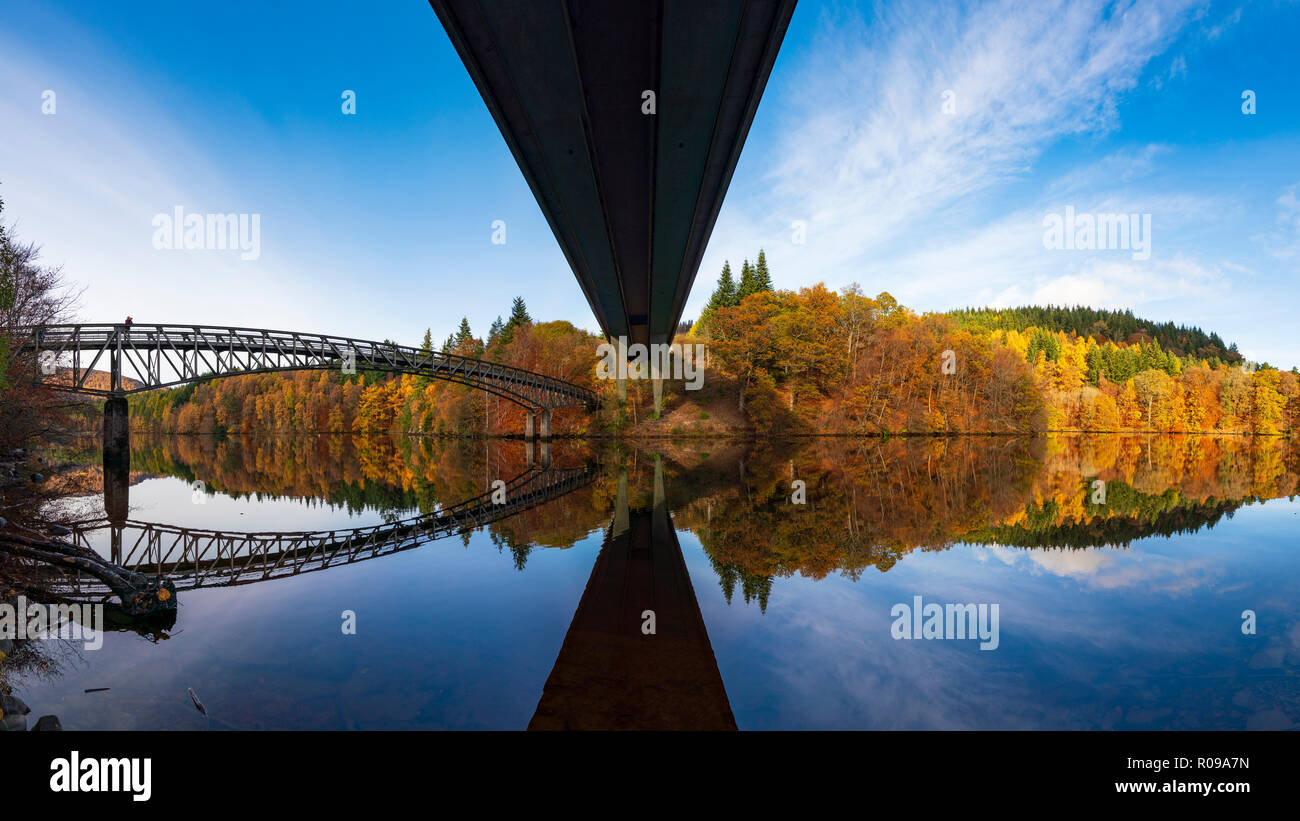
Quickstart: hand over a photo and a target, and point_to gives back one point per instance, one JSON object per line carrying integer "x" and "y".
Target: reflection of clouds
{"x": 1084, "y": 643}
{"x": 844, "y": 670}
{"x": 1109, "y": 568}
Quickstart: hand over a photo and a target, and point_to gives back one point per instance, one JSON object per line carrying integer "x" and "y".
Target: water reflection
{"x": 715, "y": 534}
{"x": 637, "y": 655}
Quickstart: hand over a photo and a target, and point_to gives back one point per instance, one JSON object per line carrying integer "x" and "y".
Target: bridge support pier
{"x": 544, "y": 424}
{"x": 117, "y": 459}
{"x": 117, "y": 430}
{"x": 528, "y": 426}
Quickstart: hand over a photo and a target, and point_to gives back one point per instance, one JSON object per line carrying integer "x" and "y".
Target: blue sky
{"x": 379, "y": 225}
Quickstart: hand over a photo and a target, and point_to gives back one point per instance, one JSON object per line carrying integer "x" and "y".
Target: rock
{"x": 18, "y": 453}
{"x": 4, "y": 522}
{"x": 6, "y": 647}
{"x": 48, "y": 724}
{"x": 13, "y": 714}
{"x": 13, "y": 704}
{"x": 59, "y": 530}
{"x": 36, "y": 477}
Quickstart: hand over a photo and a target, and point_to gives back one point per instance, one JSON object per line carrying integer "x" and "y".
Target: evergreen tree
{"x": 762, "y": 279}
{"x": 426, "y": 346}
{"x": 519, "y": 313}
{"x": 463, "y": 333}
{"x": 518, "y": 316}
{"x": 725, "y": 294}
{"x": 748, "y": 284}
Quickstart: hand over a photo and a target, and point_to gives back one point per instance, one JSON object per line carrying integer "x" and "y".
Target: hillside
{"x": 1120, "y": 327}
{"x": 95, "y": 380}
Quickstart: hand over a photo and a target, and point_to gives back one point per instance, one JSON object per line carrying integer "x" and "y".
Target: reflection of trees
{"x": 391, "y": 475}
{"x": 871, "y": 502}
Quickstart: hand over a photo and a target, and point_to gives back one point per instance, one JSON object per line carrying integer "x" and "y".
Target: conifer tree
{"x": 518, "y": 316}
{"x": 748, "y": 285}
{"x": 725, "y": 294}
{"x": 762, "y": 279}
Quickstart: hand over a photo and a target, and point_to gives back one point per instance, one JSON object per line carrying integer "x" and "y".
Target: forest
{"x": 813, "y": 360}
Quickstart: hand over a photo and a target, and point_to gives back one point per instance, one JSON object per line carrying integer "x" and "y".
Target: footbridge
{"x": 139, "y": 358}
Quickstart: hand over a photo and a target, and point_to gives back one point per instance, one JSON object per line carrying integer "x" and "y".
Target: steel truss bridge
{"x": 161, "y": 356}
{"x": 192, "y": 558}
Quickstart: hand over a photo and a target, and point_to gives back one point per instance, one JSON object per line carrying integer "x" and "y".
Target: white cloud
{"x": 869, "y": 154}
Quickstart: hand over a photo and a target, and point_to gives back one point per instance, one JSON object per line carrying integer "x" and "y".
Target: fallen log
{"x": 139, "y": 594}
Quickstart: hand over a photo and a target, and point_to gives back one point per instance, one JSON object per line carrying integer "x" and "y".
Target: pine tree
{"x": 519, "y": 313}
{"x": 463, "y": 333}
{"x": 748, "y": 285}
{"x": 426, "y": 346}
{"x": 518, "y": 316}
{"x": 762, "y": 279}
{"x": 725, "y": 294}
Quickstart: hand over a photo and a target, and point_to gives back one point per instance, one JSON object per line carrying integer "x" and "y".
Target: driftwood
{"x": 140, "y": 595}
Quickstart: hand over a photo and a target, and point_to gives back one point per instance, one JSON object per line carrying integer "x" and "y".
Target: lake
{"x": 1121, "y": 582}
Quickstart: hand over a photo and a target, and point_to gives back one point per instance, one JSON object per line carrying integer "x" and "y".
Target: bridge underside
{"x": 631, "y": 196}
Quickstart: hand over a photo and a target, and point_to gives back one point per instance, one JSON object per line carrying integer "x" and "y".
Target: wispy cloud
{"x": 869, "y": 152}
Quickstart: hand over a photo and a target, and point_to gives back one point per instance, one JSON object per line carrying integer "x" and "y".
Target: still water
{"x": 1120, "y": 567}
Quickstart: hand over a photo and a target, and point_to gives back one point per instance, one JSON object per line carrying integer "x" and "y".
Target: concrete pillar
{"x": 117, "y": 430}
{"x": 528, "y": 425}
{"x": 657, "y": 383}
{"x": 528, "y": 452}
{"x": 544, "y": 424}
{"x": 544, "y": 446}
{"x": 117, "y": 460}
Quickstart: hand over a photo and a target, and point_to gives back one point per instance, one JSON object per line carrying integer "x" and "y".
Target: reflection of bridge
{"x": 195, "y": 557}
{"x": 610, "y": 673}
{"x": 144, "y": 357}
